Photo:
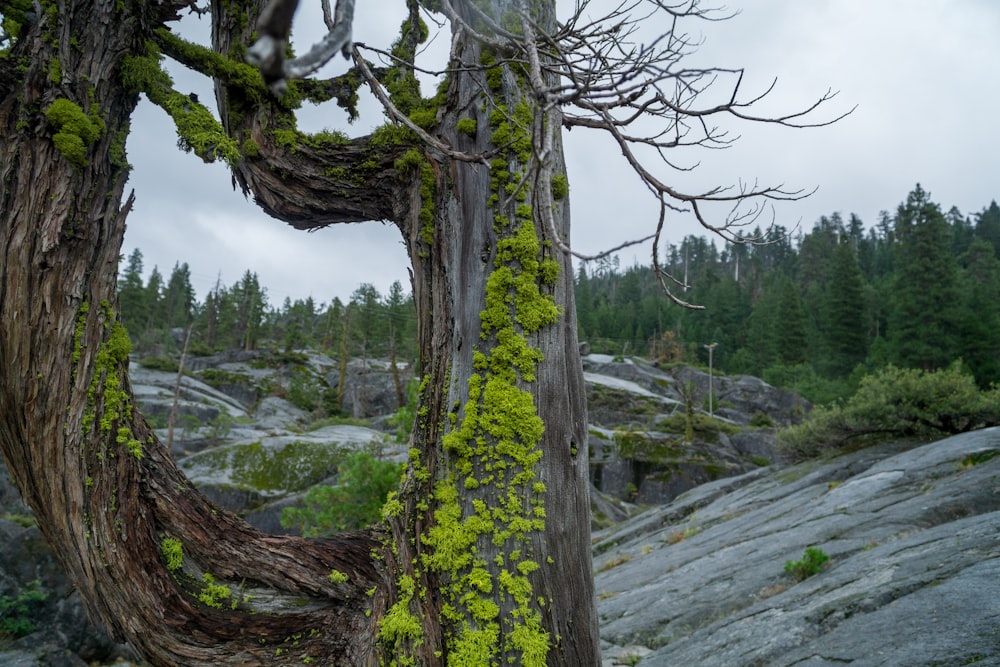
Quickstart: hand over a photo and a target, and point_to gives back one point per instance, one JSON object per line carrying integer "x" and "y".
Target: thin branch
{"x": 398, "y": 116}
{"x": 275, "y": 26}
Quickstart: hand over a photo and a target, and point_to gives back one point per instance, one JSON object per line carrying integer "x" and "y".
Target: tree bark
{"x": 104, "y": 491}
{"x": 485, "y": 558}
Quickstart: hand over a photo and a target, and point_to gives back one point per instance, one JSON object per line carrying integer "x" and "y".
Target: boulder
{"x": 370, "y": 387}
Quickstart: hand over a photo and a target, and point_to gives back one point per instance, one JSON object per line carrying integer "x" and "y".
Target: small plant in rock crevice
{"x": 811, "y": 563}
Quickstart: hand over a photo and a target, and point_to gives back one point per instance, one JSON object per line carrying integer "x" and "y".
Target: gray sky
{"x": 925, "y": 75}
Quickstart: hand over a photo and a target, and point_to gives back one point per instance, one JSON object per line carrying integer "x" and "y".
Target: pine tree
{"x": 792, "y": 328}
{"x": 922, "y": 323}
{"x": 980, "y": 314}
{"x": 132, "y": 296}
{"x": 988, "y": 226}
{"x": 178, "y": 298}
{"x": 844, "y": 314}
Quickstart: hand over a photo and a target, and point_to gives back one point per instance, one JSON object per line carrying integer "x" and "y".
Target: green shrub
{"x": 805, "y": 381}
{"x": 811, "y": 563}
{"x": 896, "y": 403}
{"x": 355, "y": 502}
{"x": 15, "y": 619}
{"x": 159, "y": 364}
{"x": 761, "y": 420}
{"x": 305, "y": 391}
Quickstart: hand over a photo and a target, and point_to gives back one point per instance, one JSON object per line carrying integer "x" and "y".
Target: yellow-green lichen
{"x": 494, "y": 450}
{"x": 399, "y": 627}
{"x": 213, "y": 594}
{"x": 75, "y": 131}
{"x": 172, "y": 552}
{"x": 197, "y": 129}
{"x": 338, "y": 577}
{"x": 110, "y": 361}
{"x": 560, "y": 186}
{"x": 410, "y": 161}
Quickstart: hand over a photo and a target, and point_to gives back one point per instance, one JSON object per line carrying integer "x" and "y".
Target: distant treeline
{"x": 816, "y": 311}
{"x": 240, "y": 316}
{"x": 811, "y": 311}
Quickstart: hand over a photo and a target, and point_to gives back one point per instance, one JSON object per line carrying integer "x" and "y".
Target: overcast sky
{"x": 924, "y": 74}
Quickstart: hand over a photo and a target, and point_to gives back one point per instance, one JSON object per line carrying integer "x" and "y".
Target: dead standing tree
{"x": 484, "y": 556}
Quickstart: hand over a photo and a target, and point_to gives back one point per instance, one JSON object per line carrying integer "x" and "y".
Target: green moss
{"x": 117, "y": 149}
{"x": 466, "y": 126}
{"x": 294, "y": 466}
{"x": 213, "y": 594}
{"x": 172, "y": 552}
{"x": 55, "y": 71}
{"x": 391, "y": 134}
{"x": 197, "y": 129}
{"x": 560, "y": 186}
{"x": 250, "y": 147}
{"x": 75, "y": 130}
{"x": 494, "y": 454}
{"x": 494, "y": 74}
{"x": 413, "y": 161}
{"x": 399, "y": 627}
{"x": 81, "y": 324}
{"x": 338, "y": 577}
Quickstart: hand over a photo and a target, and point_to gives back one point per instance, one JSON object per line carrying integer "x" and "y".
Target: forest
{"x": 813, "y": 310}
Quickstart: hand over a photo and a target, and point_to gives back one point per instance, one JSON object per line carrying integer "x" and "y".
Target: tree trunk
{"x": 486, "y": 559}
{"x": 494, "y": 537}
{"x": 132, "y": 533}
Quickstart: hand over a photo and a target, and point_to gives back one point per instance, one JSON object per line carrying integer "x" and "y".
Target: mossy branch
{"x": 197, "y": 129}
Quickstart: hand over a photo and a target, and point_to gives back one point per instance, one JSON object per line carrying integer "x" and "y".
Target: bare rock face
{"x": 913, "y": 539}
{"x": 640, "y": 447}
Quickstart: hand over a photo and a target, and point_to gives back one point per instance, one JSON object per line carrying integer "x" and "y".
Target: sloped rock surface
{"x": 913, "y": 537}
{"x": 639, "y": 449}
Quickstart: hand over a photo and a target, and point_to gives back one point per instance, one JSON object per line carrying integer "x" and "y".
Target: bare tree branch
{"x": 275, "y": 26}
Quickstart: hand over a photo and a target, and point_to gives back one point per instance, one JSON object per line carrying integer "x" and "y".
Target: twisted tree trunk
{"x": 485, "y": 557}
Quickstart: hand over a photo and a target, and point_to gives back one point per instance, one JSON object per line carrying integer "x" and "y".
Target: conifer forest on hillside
{"x": 811, "y": 310}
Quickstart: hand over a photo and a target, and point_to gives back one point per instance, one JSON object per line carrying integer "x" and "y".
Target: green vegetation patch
{"x": 75, "y": 129}
{"x": 896, "y": 403}
{"x": 288, "y": 467}
{"x": 363, "y": 485}
{"x": 16, "y": 611}
{"x": 811, "y": 563}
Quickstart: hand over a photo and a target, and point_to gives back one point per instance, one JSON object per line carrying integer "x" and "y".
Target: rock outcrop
{"x": 640, "y": 448}
{"x": 913, "y": 539}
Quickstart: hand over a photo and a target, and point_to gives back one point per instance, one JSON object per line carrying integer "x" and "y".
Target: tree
{"x": 178, "y": 297}
{"x": 131, "y": 294}
{"x": 484, "y": 555}
{"x": 844, "y": 313}
{"x": 923, "y": 320}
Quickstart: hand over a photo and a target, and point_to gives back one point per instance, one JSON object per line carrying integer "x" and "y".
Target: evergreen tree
{"x": 132, "y": 295}
{"x": 178, "y": 298}
{"x": 368, "y": 323}
{"x": 250, "y": 301}
{"x": 844, "y": 314}
{"x": 923, "y": 319}
{"x": 154, "y": 301}
{"x": 792, "y": 328}
{"x": 980, "y": 314}
{"x": 988, "y": 226}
